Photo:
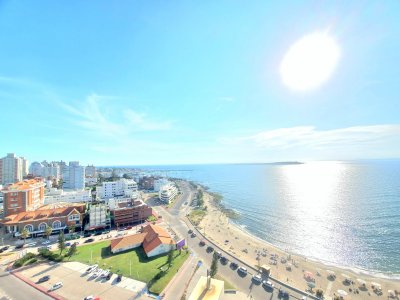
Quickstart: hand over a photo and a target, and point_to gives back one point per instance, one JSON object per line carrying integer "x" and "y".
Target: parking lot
{"x": 77, "y": 284}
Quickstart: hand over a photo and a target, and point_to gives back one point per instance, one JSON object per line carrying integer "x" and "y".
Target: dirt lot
{"x": 77, "y": 285}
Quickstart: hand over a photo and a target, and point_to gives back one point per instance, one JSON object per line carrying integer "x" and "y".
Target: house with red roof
{"x": 154, "y": 239}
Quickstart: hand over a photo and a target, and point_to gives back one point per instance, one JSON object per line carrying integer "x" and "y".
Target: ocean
{"x": 342, "y": 213}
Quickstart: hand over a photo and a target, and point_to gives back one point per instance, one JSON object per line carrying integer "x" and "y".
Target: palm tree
{"x": 48, "y": 231}
{"x": 24, "y": 234}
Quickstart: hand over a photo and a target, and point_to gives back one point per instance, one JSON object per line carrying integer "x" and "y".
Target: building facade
{"x": 23, "y": 196}
{"x": 159, "y": 183}
{"x": 130, "y": 212}
{"x": 167, "y": 193}
{"x": 73, "y": 176}
{"x": 122, "y": 187}
{"x": 91, "y": 171}
{"x": 36, "y": 222}
{"x": 54, "y": 195}
{"x": 98, "y": 217}
{"x": 12, "y": 169}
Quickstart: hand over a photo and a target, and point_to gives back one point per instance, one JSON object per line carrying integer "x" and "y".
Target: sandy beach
{"x": 294, "y": 269}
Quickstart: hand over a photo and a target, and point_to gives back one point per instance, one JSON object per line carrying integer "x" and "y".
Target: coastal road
{"x": 175, "y": 218}
{"x": 13, "y": 288}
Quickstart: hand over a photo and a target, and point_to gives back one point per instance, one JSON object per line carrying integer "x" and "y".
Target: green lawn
{"x": 143, "y": 268}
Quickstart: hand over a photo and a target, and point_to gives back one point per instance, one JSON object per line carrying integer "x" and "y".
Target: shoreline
{"x": 236, "y": 240}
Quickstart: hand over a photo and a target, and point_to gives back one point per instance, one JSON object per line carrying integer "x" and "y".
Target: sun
{"x": 310, "y": 61}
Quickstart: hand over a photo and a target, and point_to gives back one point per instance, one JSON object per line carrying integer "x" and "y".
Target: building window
{"x": 42, "y": 226}
{"x": 56, "y": 224}
{"x": 29, "y": 227}
{"x": 73, "y": 217}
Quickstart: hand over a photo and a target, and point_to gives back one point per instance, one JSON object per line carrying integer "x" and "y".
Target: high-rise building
{"x": 23, "y": 196}
{"x": 36, "y": 169}
{"x": 12, "y": 169}
{"x": 122, "y": 187}
{"x": 73, "y": 176}
{"x": 91, "y": 171}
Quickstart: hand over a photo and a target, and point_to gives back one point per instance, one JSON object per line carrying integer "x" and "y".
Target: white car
{"x": 31, "y": 244}
{"x": 91, "y": 269}
{"x": 96, "y": 273}
{"x": 56, "y": 286}
{"x": 105, "y": 274}
{"x": 45, "y": 242}
{"x": 242, "y": 270}
{"x": 257, "y": 278}
{"x": 268, "y": 284}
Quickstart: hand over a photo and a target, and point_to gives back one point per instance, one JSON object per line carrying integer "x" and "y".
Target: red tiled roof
{"x": 39, "y": 214}
{"x": 25, "y": 185}
{"x": 151, "y": 237}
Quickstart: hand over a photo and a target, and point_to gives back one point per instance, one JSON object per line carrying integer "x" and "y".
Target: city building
{"x": 90, "y": 171}
{"x": 52, "y": 170}
{"x": 122, "y": 187}
{"x": 127, "y": 211}
{"x": 73, "y": 176}
{"x": 90, "y": 181}
{"x": 167, "y": 193}
{"x": 98, "y": 217}
{"x": 154, "y": 239}
{"x": 54, "y": 195}
{"x": 36, "y": 169}
{"x": 146, "y": 182}
{"x": 58, "y": 217}
{"x": 159, "y": 183}
{"x": 12, "y": 169}
{"x": 23, "y": 196}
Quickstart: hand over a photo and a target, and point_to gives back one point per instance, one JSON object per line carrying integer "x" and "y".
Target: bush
{"x": 24, "y": 260}
{"x": 45, "y": 253}
{"x": 32, "y": 261}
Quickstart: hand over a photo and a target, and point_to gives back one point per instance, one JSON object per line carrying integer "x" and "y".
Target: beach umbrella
{"x": 308, "y": 274}
{"x": 391, "y": 293}
{"x": 376, "y": 285}
{"x": 361, "y": 282}
{"x": 311, "y": 285}
{"x": 342, "y": 293}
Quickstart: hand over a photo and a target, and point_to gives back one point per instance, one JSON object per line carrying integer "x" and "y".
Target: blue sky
{"x": 157, "y": 82}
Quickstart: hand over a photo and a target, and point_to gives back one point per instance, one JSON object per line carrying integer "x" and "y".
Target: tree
{"x": 61, "y": 242}
{"x": 170, "y": 255}
{"x": 100, "y": 178}
{"x": 71, "y": 228}
{"x": 24, "y": 234}
{"x": 72, "y": 250}
{"x": 48, "y": 231}
{"x": 126, "y": 176}
{"x": 214, "y": 266}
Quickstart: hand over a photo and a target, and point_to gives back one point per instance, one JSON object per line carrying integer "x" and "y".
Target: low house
{"x": 154, "y": 239}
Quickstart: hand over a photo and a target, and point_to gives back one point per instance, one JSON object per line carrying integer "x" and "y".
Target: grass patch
{"x": 227, "y": 284}
{"x": 195, "y": 216}
{"x": 143, "y": 268}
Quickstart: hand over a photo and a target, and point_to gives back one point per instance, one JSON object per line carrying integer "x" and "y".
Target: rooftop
{"x": 25, "y": 185}
{"x": 214, "y": 293}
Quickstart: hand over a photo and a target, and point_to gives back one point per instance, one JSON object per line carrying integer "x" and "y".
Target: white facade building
{"x": 55, "y": 195}
{"x": 159, "y": 183}
{"x": 73, "y": 176}
{"x": 91, "y": 171}
{"x": 168, "y": 192}
{"x": 12, "y": 169}
{"x": 91, "y": 181}
{"x": 98, "y": 217}
{"x": 36, "y": 169}
{"x": 122, "y": 187}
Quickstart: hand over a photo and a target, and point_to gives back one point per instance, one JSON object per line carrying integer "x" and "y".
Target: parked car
{"x": 45, "y": 242}
{"x": 202, "y": 243}
{"x": 33, "y": 244}
{"x": 19, "y": 246}
{"x": 234, "y": 265}
{"x": 193, "y": 234}
{"x": 43, "y": 279}
{"x": 210, "y": 249}
{"x": 190, "y": 231}
{"x": 267, "y": 284}
{"x": 67, "y": 244}
{"x": 109, "y": 275}
{"x": 242, "y": 270}
{"x": 119, "y": 278}
{"x": 283, "y": 294}
{"x": 98, "y": 233}
{"x": 218, "y": 254}
{"x": 91, "y": 268}
{"x": 223, "y": 260}
{"x": 5, "y": 248}
{"x": 91, "y": 297}
{"x": 257, "y": 278}
{"x": 56, "y": 286}
{"x": 89, "y": 240}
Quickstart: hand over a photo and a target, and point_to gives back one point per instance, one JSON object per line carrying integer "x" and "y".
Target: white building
{"x": 159, "y": 183}
{"x": 122, "y": 187}
{"x": 98, "y": 217}
{"x": 167, "y": 193}
{"x": 12, "y": 169}
{"x": 54, "y": 195}
{"x": 116, "y": 202}
{"x": 91, "y": 171}
{"x": 90, "y": 181}
{"x": 51, "y": 170}
{"x": 36, "y": 169}
{"x": 73, "y": 176}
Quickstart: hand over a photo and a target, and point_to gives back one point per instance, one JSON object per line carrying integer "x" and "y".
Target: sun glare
{"x": 310, "y": 61}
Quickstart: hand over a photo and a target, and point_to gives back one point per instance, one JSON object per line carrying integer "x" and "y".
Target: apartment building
{"x": 122, "y": 187}
{"x": 12, "y": 169}
{"x": 73, "y": 176}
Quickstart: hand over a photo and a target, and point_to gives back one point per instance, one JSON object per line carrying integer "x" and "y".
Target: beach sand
{"x": 217, "y": 227}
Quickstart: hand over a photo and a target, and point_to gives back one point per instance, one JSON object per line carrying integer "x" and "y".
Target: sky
{"x": 181, "y": 82}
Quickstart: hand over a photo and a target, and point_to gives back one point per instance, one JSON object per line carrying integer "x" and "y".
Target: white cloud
{"x": 141, "y": 121}
{"x": 307, "y": 142}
